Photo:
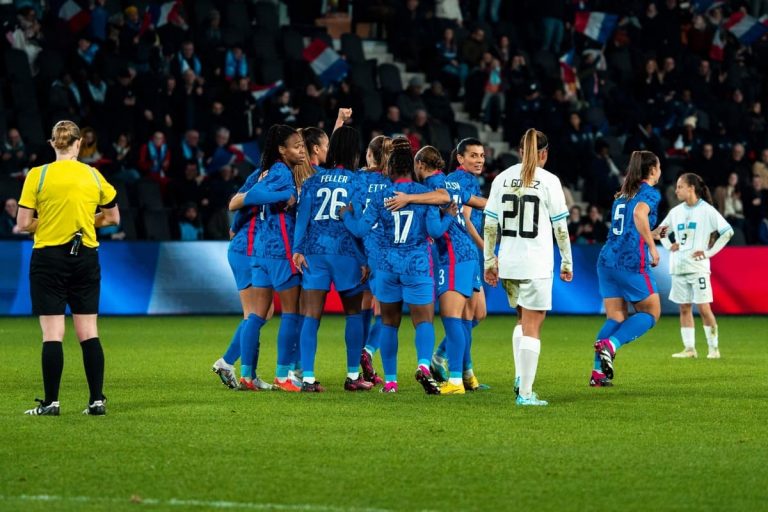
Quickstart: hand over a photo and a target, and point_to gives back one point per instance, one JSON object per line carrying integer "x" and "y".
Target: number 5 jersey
{"x": 525, "y": 216}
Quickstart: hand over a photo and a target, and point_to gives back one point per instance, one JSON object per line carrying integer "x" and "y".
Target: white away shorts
{"x": 533, "y": 294}
{"x": 691, "y": 289}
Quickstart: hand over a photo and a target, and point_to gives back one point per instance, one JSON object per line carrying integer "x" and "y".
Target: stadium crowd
{"x": 172, "y": 105}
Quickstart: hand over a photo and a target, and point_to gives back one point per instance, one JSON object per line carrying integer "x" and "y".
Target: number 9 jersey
{"x": 525, "y": 216}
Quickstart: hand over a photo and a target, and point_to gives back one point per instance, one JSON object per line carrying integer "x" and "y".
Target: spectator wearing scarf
{"x": 235, "y": 64}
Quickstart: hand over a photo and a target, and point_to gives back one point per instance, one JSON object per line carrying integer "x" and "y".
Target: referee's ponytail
{"x": 532, "y": 145}
{"x": 700, "y": 188}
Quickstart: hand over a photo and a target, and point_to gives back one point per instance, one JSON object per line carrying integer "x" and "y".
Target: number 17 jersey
{"x": 525, "y": 216}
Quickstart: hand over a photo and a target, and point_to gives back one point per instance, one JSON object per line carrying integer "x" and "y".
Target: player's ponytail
{"x": 531, "y": 146}
{"x": 639, "y": 169}
{"x": 700, "y": 188}
{"x": 276, "y": 137}
{"x": 431, "y": 158}
{"x": 380, "y": 148}
{"x": 400, "y": 163}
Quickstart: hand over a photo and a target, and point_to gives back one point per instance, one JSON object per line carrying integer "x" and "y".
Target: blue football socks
{"x": 249, "y": 345}
{"x": 374, "y": 336}
{"x": 454, "y": 332}
{"x": 631, "y": 329}
{"x": 309, "y": 345}
{"x": 286, "y": 337}
{"x": 366, "y": 314}
{"x": 606, "y": 331}
{"x": 425, "y": 342}
{"x": 388, "y": 336}
{"x": 232, "y": 353}
{"x": 353, "y": 334}
{"x": 467, "y": 359}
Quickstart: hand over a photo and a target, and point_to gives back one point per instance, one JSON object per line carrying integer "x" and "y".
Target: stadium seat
{"x": 352, "y": 48}
{"x": 51, "y": 64}
{"x": 268, "y": 71}
{"x": 389, "y": 79}
{"x": 31, "y": 128}
{"x": 9, "y": 187}
{"x": 372, "y": 106}
{"x": 157, "y": 224}
{"x": 466, "y": 130}
{"x": 17, "y": 66}
{"x": 148, "y": 193}
{"x": 440, "y": 136}
{"x": 267, "y": 16}
{"x": 292, "y": 45}
{"x": 235, "y": 14}
{"x": 361, "y": 75}
{"x": 233, "y": 36}
{"x": 263, "y": 45}
{"x": 128, "y": 223}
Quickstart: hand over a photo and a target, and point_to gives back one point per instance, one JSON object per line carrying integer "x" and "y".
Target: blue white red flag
{"x": 746, "y": 28}
{"x": 74, "y": 16}
{"x": 325, "y": 62}
{"x": 263, "y": 92}
{"x": 595, "y": 25}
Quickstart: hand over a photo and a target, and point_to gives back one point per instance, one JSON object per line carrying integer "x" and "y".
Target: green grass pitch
{"x": 671, "y": 435}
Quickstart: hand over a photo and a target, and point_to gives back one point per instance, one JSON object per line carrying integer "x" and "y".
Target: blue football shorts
{"x": 324, "y": 269}
{"x": 241, "y": 269}
{"x": 278, "y": 274}
{"x": 416, "y": 290}
{"x": 629, "y": 285}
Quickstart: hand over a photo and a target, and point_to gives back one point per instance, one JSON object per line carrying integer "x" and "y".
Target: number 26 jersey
{"x": 525, "y": 216}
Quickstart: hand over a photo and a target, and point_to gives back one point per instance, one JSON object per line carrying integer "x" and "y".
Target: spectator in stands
{"x": 489, "y": 8}
{"x": 312, "y": 107}
{"x": 756, "y": 125}
{"x": 245, "y": 123}
{"x": 95, "y": 93}
{"x": 220, "y": 143}
{"x": 593, "y": 228}
{"x": 15, "y": 157}
{"x": 503, "y": 50}
{"x": 473, "y": 48}
{"x": 218, "y": 117}
{"x": 578, "y": 147}
{"x": 448, "y": 53}
{"x": 123, "y": 161}
{"x": 186, "y": 60}
{"x": 212, "y": 36}
{"x": 8, "y": 227}
{"x": 729, "y": 202}
{"x": 574, "y": 223}
{"x": 739, "y": 163}
{"x": 235, "y": 64}
{"x": 604, "y": 177}
{"x": 755, "y": 208}
{"x": 65, "y": 98}
{"x": 493, "y": 99}
{"x": 553, "y": 13}
{"x": 760, "y": 167}
{"x": 220, "y": 190}
{"x": 190, "y": 188}
{"x": 193, "y": 100}
{"x": 89, "y": 148}
{"x": 410, "y": 100}
{"x": 734, "y": 114}
{"x": 121, "y": 103}
{"x": 190, "y": 227}
{"x": 519, "y": 77}
{"x": 86, "y": 58}
{"x": 189, "y": 149}
{"x": 705, "y": 164}
{"x": 281, "y": 110}
{"x": 439, "y": 105}
{"x": 419, "y": 131}
{"x": 97, "y": 28}
{"x": 393, "y": 125}
{"x": 155, "y": 158}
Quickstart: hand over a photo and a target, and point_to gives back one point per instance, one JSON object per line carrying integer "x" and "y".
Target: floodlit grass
{"x": 671, "y": 435}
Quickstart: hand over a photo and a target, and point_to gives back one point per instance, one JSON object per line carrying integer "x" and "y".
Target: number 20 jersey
{"x": 525, "y": 216}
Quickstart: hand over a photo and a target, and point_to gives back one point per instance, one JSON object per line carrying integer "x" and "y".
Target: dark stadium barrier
{"x": 176, "y": 278}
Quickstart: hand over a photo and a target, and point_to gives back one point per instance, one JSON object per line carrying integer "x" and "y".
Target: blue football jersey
{"x": 319, "y": 229}
{"x": 373, "y": 182}
{"x": 455, "y": 246}
{"x": 471, "y": 184}
{"x": 404, "y": 235}
{"x": 625, "y": 249}
{"x": 276, "y": 224}
{"x": 246, "y": 221}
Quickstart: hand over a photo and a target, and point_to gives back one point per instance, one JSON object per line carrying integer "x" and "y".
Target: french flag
{"x": 596, "y": 25}
{"x": 263, "y": 92}
{"x": 567, "y": 70}
{"x": 248, "y": 152}
{"x": 746, "y": 28}
{"x": 74, "y": 16}
{"x": 717, "y": 50}
{"x": 158, "y": 15}
{"x": 325, "y": 62}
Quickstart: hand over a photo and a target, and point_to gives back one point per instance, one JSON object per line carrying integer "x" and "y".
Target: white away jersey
{"x": 525, "y": 217}
{"x": 692, "y": 226}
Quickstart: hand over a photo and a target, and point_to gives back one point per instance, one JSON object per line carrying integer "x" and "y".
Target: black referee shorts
{"x": 56, "y": 279}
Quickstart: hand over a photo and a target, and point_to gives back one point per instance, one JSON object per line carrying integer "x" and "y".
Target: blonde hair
{"x": 430, "y": 157}
{"x": 64, "y": 134}
{"x": 532, "y": 143}
{"x": 381, "y": 148}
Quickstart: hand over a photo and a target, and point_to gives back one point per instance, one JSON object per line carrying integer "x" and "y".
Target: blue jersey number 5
{"x": 618, "y": 217}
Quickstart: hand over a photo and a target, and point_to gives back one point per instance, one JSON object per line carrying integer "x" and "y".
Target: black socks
{"x": 53, "y": 365}
{"x": 93, "y": 361}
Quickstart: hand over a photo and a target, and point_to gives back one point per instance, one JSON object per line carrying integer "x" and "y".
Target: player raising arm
{"x": 527, "y": 203}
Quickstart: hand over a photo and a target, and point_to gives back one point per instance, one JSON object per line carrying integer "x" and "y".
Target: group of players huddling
{"x": 400, "y": 230}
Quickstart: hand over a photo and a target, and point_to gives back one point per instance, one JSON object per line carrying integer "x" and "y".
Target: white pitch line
{"x": 173, "y": 502}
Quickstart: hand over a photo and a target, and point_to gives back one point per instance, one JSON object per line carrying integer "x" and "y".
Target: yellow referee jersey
{"x": 65, "y": 194}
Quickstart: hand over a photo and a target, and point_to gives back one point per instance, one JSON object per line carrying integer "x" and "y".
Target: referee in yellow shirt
{"x": 65, "y": 261}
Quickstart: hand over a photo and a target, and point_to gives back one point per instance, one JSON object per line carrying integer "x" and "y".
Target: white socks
{"x": 689, "y": 337}
{"x": 529, "y": 361}
{"x": 711, "y": 333}
{"x": 353, "y": 375}
{"x": 517, "y": 335}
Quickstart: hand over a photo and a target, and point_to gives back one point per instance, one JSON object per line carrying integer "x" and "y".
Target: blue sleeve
{"x": 302, "y": 221}
{"x": 261, "y": 194}
{"x": 436, "y": 227}
{"x": 252, "y": 179}
{"x": 238, "y": 221}
{"x": 360, "y": 226}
